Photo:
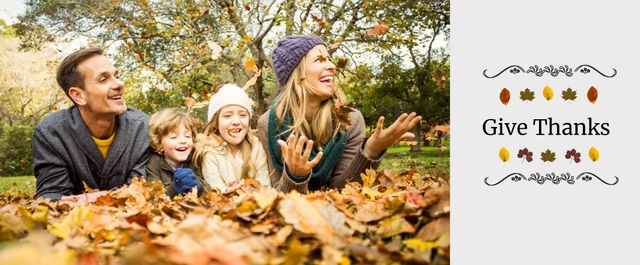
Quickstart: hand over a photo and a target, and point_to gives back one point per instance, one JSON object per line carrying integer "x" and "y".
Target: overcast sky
{"x": 10, "y": 9}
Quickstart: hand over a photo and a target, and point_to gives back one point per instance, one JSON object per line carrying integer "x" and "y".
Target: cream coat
{"x": 221, "y": 169}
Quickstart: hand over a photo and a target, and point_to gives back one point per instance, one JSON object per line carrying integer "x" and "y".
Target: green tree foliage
{"x": 411, "y": 74}
{"x": 15, "y": 143}
{"x": 28, "y": 92}
{"x": 27, "y": 83}
{"x": 172, "y": 51}
{"x": 6, "y": 30}
{"x": 167, "y": 40}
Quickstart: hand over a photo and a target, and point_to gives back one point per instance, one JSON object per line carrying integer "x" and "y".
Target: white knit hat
{"x": 229, "y": 94}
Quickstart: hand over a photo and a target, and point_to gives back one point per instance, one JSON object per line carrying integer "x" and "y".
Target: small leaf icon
{"x": 505, "y": 95}
{"x": 572, "y": 155}
{"x": 592, "y": 94}
{"x": 527, "y": 94}
{"x": 547, "y": 92}
{"x": 504, "y": 154}
{"x": 548, "y": 156}
{"x": 594, "y": 154}
{"x": 569, "y": 94}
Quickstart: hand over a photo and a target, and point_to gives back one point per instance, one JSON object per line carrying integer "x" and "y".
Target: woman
{"x": 308, "y": 146}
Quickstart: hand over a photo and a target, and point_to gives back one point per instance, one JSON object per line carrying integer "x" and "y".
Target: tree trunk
{"x": 416, "y": 148}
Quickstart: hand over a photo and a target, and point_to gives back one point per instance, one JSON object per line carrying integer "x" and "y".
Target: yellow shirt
{"x": 103, "y": 145}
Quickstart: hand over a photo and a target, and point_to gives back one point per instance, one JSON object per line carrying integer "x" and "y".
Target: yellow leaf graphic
{"x": 504, "y": 154}
{"x": 547, "y": 92}
{"x": 594, "y": 154}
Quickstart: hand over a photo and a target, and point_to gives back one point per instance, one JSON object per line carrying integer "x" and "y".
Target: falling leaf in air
{"x": 341, "y": 111}
{"x": 592, "y": 94}
{"x": 316, "y": 18}
{"x": 341, "y": 62}
{"x": 335, "y": 45}
{"x": 378, "y": 30}
{"x": 548, "y": 156}
{"x": 594, "y": 154}
{"x": 547, "y": 92}
{"x": 569, "y": 94}
{"x": 252, "y": 81}
{"x": 439, "y": 77}
{"x": 216, "y": 50}
{"x": 251, "y": 65}
{"x": 505, "y": 95}
{"x": 504, "y": 154}
{"x": 247, "y": 38}
{"x": 527, "y": 94}
{"x": 189, "y": 102}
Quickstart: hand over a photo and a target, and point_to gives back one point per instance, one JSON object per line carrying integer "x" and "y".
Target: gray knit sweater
{"x": 65, "y": 155}
{"x": 351, "y": 163}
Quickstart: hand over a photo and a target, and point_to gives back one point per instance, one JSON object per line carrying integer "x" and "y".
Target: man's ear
{"x": 77, "y": 95}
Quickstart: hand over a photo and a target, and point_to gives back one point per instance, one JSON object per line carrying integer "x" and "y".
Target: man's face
{"x": 103, "y": 92}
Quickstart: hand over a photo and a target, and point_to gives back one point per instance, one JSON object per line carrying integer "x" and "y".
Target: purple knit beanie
{"x": 289, "y": 53}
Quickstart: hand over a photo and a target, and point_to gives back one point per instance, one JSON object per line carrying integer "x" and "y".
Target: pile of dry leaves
{"x": 388, "y": 219}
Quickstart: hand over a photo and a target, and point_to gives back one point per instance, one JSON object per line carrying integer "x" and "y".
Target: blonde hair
{"x": 212, "y": 137}
{"x": 164, "y": 122}
{"x": 293, "y": 100}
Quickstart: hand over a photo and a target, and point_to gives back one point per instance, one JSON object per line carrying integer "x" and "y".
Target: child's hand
{"x": 184, "y": 180}
{"x": 296, "y": 155}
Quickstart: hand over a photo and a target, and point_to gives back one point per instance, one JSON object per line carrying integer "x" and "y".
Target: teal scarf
{"x": 332, "y": 151}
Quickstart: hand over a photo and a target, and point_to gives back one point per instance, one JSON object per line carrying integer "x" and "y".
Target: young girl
{"x": 309, "y": 147}
{"x": 228, "y": 152}
{"x": 171, "y": 135}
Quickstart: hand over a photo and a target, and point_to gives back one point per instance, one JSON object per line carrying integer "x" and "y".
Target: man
{"x": 97, "y": 142}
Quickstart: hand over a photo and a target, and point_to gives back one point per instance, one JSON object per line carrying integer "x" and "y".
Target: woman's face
{"x": 319, "y": 73}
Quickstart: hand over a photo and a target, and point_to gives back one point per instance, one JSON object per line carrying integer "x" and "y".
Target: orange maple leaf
{"x": 251, "y": 65}
{"x": 378, "y": 29}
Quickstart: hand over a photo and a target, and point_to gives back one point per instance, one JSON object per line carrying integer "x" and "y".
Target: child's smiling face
{"x": 177, "y": 145}
{"x": 233, "y": 124}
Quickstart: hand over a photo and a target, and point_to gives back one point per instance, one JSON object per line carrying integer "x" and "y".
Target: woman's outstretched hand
{"x": 296, "y": 155}
{"x": 381, "y": 138}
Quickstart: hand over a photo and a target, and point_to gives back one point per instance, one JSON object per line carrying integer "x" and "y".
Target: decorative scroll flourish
{"x": 585, "y": 70}
{"x": 552, "y": 177}
{"x": 552, "y": 70}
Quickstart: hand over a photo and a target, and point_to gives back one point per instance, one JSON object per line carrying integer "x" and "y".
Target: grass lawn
{"x": 22, "y": 183}
{"x": 432, "y": 160}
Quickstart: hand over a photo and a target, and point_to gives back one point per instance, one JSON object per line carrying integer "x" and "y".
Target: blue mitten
{"x": 184, "y": 180}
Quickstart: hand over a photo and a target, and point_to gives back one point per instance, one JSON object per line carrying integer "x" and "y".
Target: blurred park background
{"x": 391, "y": 57}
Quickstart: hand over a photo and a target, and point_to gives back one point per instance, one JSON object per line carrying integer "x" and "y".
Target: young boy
{"x": 171, "y": 134}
